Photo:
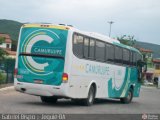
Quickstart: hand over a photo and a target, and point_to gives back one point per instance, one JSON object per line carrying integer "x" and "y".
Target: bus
{"x": 60, "y": 61}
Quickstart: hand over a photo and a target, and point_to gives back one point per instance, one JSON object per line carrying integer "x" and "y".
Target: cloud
{"x": 136, "y": 17}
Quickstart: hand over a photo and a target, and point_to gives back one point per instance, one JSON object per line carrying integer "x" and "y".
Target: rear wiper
{"x": 40, "y": 55}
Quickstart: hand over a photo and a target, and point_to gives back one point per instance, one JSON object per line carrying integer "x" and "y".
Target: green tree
{"x": 14, "y": 45}
{"x": 1, "y": 40}
{"x": 2, "y": 52}
{"x": 127, "y": 40}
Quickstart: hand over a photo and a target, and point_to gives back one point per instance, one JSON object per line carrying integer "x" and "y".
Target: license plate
{"x": 38, "y": 81}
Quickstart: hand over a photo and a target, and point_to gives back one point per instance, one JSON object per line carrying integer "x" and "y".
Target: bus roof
{"x": 46, "y": 26}
{"x": 106, "y": 39}
{"x": 91, "y": 34}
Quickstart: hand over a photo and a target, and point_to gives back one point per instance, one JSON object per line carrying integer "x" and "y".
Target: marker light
{"x": 65, "y": 77}
{"x": 44, "y": 25}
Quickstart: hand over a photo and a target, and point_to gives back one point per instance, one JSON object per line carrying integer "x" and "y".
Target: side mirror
{"x": 145, "y": 68}
{"x": 142, "y": 65}
{"x": 142, "y": 68}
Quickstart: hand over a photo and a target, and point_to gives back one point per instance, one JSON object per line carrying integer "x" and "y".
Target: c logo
{"x": 38, "y": 36}
{"x": 28, "y": 50}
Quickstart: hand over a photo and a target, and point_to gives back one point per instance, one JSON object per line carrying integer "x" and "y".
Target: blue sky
{"x": 140, "y": 18}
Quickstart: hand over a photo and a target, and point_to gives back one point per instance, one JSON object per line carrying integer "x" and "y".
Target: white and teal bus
{"x": 58, "y": 61}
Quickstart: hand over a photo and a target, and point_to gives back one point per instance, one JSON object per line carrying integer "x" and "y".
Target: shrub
{"x": 2, "y": 78}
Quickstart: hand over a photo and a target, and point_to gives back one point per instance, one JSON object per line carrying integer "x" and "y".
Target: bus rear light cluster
{"x": 65, "y": 77}
{"x": 15, "y": 72}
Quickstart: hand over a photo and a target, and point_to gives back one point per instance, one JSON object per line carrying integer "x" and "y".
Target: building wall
{"x": 147, "y": 56}
{"x": 156, "y": 70}
{"x": 4, "y": 45}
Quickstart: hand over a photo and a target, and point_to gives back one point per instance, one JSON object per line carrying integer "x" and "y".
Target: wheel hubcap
{"x": 91, "y": 97}
{"x": 129, "y": 96}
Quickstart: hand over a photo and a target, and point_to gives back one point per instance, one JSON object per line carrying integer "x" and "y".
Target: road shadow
{"x": 59, "y": 103}
{"x": 107, "y": 101}
{"x": 70, "y": 103}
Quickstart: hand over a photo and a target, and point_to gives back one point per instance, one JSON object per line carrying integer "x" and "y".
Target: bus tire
{"x": 45, "y": 99}
{"x": 129, "y": 97}
{"x": 91, "y": 96}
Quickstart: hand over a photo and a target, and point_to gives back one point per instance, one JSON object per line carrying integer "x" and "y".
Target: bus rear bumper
{"x": 41, "y": 89}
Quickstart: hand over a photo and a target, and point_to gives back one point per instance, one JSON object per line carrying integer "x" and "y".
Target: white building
{"x": 7, "y": 45}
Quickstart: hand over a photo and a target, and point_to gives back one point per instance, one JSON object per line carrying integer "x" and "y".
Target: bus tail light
{"x": 15, "y": 72}
{"x": 65, "y": 77}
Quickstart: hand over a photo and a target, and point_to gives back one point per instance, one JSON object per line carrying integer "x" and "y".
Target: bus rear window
{"x": 41, "y": 55}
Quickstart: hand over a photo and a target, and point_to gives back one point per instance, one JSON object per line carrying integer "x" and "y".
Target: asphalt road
{"x": 12, "y": 101}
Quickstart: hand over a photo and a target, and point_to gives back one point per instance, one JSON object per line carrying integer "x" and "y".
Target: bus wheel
{"x": 91, "y": 96}
{"x": 129, "y": 97}
{"x": 45, "y": 99}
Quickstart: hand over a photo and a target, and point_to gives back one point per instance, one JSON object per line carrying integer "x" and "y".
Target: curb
{"x": 7, "y": 88}
{"x": 148, "y": 87}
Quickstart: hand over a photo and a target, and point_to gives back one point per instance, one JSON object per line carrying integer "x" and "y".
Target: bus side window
{"x": 91, "y": 48}
{"x": 134, "y": 59}
{"x": 86, "y": 47}
{"x": 138, "y": 57}
{"x": 118, "y": 54}
{"x": 126, "y": 57}
{"x": 100, "y": 51}
{"x": 131, "y": 58}
{"x": 109, "y": 53}
{"x": 78, "y": 45}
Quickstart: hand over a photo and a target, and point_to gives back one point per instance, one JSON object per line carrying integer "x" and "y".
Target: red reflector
{"x": 15, "y": 71}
